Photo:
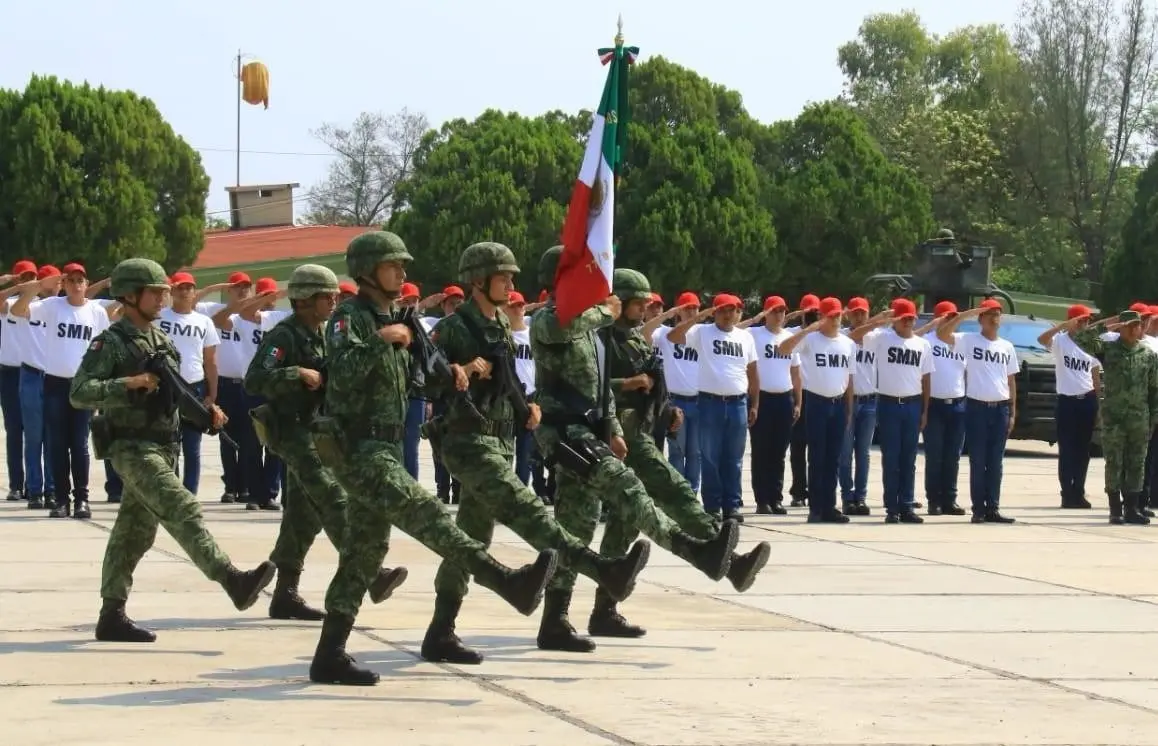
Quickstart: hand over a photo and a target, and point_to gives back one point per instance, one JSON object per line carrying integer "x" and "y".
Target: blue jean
{"x": 258, "y": 469}
{"x": 415, "y": 416}
{"x": 38, "y": 478}
{"x": 824, "y": 433}
{"x": 1076, "y": 419}
{"x": 231, "y": 398}
{"x": 524, "y": 451}
{"x": 13, "y": 425}
{"x": 858, "y": 440}
{"x": 723, "y": 427}
{"x": 899, "y": 421}
{"x": 191, "y": 449}
{"x": 683, "y": 446}
{"x": 771, "y": 434}
{"x": 944, "y": 439}
{"x": 987, "y": 427}
{"x": 68, "y": 429}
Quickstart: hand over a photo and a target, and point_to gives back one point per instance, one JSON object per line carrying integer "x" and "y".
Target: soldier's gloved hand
{"x": 398, "y": 334}
{"x": 536, "y": 416}
{"x": 142, "y": 381}
{"x": 311, "y": 378}
{"x": 219, "y": 418}
{"x": 618, "y": 447}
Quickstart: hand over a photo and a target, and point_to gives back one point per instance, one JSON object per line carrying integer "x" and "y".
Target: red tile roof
{"x": 227, "y": 247}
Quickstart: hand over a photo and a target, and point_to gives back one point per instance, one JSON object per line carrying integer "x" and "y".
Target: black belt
{"x": 56, "y": 378}
{"x": 776, "y": 393}
{"x": 723, "y": 397}
{"x": 684, "y": 397}
{"x": 492, "y": 428}
{"x": 1086, "y": 395}
{"x": 31, "y": 369}
{"x": 832, "y": 399}
{"x": 389, "y": 433}
{"x": 862, "y": 397}
{"x": 238, "y": 381}
{"x": 899, "y": 399}
{"x": 991, "y": 404}
{"x": 950, "y": 402}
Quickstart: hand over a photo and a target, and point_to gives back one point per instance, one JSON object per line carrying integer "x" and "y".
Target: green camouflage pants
{"x": 577, "y": 503}
{"x": 314, "y": 501}
{"x": 380, "y": 494}
{"x": 153, "y": 494}
{"x": 491, "y": 492}
{"x": 1124, "y": 448}
{"x": 667, "y": 487}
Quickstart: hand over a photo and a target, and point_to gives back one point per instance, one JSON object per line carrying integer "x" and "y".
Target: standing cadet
{"x": 1130, "y": 409}
{"x": 367, "y": 387}
{"x": 945, "y": 424}
{"x": 475, "y": 438}
{"x": 858, "y": 441}
{"x": 904, "y": 364}
{"x": 808, "y": 312}
{"x": 588, "y": 469}
{"x": 525, "y": 371}
{"x": 288, "y": 373}
{"x": 1077, "y": 405}
{"x": 681, "y": 371}
{"x": 22, "y": 271}
{"x": 138, "y": 432}
{"x": 991, "y": 403}
{"x": 780, "y": 399}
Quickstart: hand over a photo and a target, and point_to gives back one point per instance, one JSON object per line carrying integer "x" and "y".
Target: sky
{"x": 330, "y": 60}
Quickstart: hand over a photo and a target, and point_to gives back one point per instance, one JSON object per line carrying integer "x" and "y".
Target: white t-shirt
{"x": 191, "y": 333}
{"x": 270, "y": 319}
{"x": 988, "y": 365}
{"x": 864, "y": 375}
{"x": 237, "y": 347}
{"x": 10, "y": 353}
{"x": 208, "y": 308}
{"x": 775, "y": 368}
{"x": 1073, "y": 367}
{"x": 681, "y": 363}
{"x": 1151, "y": 343}
{"x": 901, "y": 362}
{"x": 826, "y": 363}
{"x": 429, "y": 322}
{"x": 30, "y": 336}
{"x": 68, "y": 332}
{"x": 793, "y": 330}
{"x": 948, "y": 379}
{"x": 724, "y": 358}
{"x": 524, "y": 362}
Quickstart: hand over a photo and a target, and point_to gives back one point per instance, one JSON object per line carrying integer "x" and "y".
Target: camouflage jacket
{"x": 368, "y": 378}
{"x": 99, "y": 383}
{"x": 1130, "y": 375}
{"x": 568, "y": 355}
{"x": 629, "y": 354}
{"x": 460, "y": 346}
{"x": 274, "y": 372}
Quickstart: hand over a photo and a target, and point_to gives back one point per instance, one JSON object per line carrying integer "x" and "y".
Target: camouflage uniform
{"x": 1129, "y": 415}
{"x": 141, "y": 441}
{"x": 630, "y": 354}
{"x": 567, "y": 388}
{"x": 476, "y": 440}
{"x": 318, "y": 502}
{"x": 361, "y": 440}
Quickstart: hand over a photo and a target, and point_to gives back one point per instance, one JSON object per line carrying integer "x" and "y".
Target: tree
{"x": 371, "y": 157}
{"x": 1132, "y": 271}
{"x": 98, "y": 175}
{"x": 216, "y": 223}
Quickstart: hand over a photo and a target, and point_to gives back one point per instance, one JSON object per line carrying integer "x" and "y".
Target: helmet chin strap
{"x": 486, "y": 291}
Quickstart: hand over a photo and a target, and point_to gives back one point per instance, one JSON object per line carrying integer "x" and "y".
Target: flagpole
{"x": 605, "y": 391}
{"x": 238, "y": 141}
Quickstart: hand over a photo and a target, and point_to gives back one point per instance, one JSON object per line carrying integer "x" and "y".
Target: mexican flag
{"x": 583, "y": 277}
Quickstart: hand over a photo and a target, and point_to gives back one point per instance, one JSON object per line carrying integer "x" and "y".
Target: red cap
{"x": 903, "y": 308}
{"x": 688, "y": 298}
{"x": 655, "y": 298}
{"x": 72, "y": 267}
{"x": 240, "y": 278}
{"x": 23, "y": 267}
{"x": 265, "y": 285}
{"x": 182, "y": 278}
{"x": 345, "y": 286}
{"x": 516, "y": 299}
{"x": 945, "y": 308}
{"x": 47, "y": 270}
{"x": 991, "y": 304}
{"x": 453, "y": 291}
{"x": 724, "y": 300}
{"x": 1154, "y": 310}
{"x": 829, "y": 307}
{"x": 774, "y": 302}
{"x": 858, "y": 304}
{"x": 409, "y": 290}
{"x": 810, "y": 302}
{"x": 1078, "y": 311}
{"x": 1141, "y": 308}
{"x": 543, "y": 295}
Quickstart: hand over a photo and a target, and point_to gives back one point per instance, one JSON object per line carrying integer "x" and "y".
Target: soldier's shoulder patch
{"x": 341, "y": 324}
{"x": 97, "y": 344}
{"x": 274, "y": 357}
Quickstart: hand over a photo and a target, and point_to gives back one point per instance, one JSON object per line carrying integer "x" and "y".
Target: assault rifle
{"x": 505, "y": 381}
{"x": 429, "y": 360}
{"x": 175, "y": 393}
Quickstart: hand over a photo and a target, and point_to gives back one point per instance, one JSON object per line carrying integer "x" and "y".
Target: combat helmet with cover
{"x": 310, "y": 279}
{"x": 629, "y": 284}
{"x": 481, "y": 260}
{"x": 131, "y": 275}
{"x": 548, "y": 265}
{"x": 369, "y": 250}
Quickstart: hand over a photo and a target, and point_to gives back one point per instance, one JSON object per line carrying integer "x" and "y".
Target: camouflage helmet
{"x": 369, "y": 250}
{"x": 629, "y": 284}
{"x": 548, "y": 264}
{"x": 131, "y": 275}
{"x": 946, "y": 235}
{"x": 310, "y": 279}
{"x": 481, "y": 260}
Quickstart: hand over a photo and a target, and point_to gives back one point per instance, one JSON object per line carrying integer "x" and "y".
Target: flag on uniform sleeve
{"x": 583, "y": 277}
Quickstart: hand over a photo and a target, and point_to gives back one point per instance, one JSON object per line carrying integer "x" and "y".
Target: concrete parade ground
{"x": 1042, "y": 632}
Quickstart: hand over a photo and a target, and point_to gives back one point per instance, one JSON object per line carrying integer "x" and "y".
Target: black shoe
{"x": 617, "y": 574}
{"x": 229, "y": 498}
{"x": 244, "y": 587}
{"x": 82, "y": 512}
{"x": 977, "y": 518}
{"x": 862, "y": 508}
{"x": 828, "y": 516}
{"x": 63, "y": 510}
{"x": 798, "y": 502}
{"x": 14, "y": 496}
{"x": 555, "y": 630}
{"x": 113, "y": 499}
{"x": 712, "y": 557}
{"x": 331, "y": 663}
{"x": 953, "y": 509}
{"x": 252, "y": 506}
{"x": 114, "y": 626}
{"x": 745, "y": 567}
{"x": 849, "y": 508}
{"x": 606, "y": 621}
{"x": 934, "y": 509}
{"x": 908, "y": 516}
{"x": 271, "y": 505}
{"x": 35, "y": 502}
{"x": 734, "y": 515}
{"x": 387, "y": 581}
{"x": 287, "y": 603}
{"x": 1076, "y": 503}
{"x": 763, "y": 509}
{"x": 1146, "y": 512}
{"x": 993, "y": 516}
{"x": 892, "y": 518}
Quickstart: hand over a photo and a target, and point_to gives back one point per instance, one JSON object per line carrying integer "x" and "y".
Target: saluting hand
{"x": 614, "y": 305}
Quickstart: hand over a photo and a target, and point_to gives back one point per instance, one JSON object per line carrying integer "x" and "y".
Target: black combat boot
{"x": 61, "y": 509}
{"x": 555, "y": 631}
{"x": 606, "y": 621}
{"x": 114, "y": 626}
{"x": 617, "y": 574}
{"x": 441, "y": 644}
{"x": 712, "y": 557}
{"x": 386, "y": 583}
{"x": 332, "y": 664}
{"x": 81, "y": 511}
{"x": 745, "y": 567}
{"x": 522, "y": 588}
{"x": 287, "y": 603}
{"x": 1115, "y": 500}
{"x": 244, "y": 587}
{"x": 1130, "y": 512}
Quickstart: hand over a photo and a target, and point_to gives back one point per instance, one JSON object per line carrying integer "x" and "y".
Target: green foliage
{"x": 1132, "y": 271}
{"x": 96, "y": 175}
